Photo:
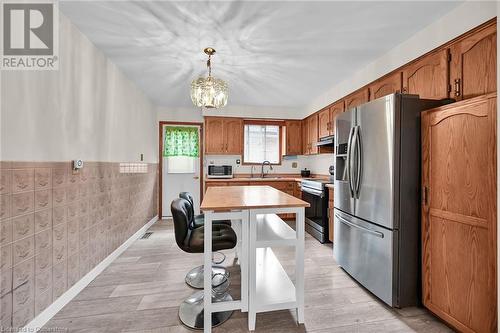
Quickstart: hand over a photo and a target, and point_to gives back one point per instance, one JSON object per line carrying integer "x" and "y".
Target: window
{"x": 181, "y": 164}
{"x": 181, "y": 148}
{"x": 262, "y": 143}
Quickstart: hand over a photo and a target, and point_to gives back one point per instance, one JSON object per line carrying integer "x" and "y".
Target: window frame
{"x": 278, "y": 123}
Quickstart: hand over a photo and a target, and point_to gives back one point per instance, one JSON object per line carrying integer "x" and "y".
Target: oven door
{"x": 316, "y": 215}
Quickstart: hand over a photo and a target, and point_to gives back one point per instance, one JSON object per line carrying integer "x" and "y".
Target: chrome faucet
{"x": 262, "y": 175}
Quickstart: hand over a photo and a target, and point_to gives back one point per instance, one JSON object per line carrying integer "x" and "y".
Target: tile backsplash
{"x": 57, "y": 224}
{"x": 318, "y": 164}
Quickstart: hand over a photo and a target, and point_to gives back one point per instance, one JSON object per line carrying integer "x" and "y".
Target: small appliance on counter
{"x": 305, "y": 173}
{"x": 220, "y": 171}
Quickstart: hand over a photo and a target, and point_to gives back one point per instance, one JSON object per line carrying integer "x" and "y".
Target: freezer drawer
{"x": 366, "y": 252}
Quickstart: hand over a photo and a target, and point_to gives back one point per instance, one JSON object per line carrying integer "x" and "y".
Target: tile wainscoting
{"x": 57, "y": 224}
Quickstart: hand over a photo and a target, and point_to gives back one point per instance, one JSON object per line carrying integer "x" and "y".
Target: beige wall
{"x": 87, "y": 109}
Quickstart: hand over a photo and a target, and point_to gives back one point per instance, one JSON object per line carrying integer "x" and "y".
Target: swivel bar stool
{"x": 192, "y": 241}
{"x": 198, "y": 220}
{"x": 194, "y": 278}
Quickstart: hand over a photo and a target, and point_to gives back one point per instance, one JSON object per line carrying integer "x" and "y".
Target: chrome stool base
{"x": 194, "y": 278}
{"x": 191, "y": 311}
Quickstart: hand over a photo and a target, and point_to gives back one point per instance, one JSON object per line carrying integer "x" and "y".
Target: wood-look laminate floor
{"x": 142, "y": 289}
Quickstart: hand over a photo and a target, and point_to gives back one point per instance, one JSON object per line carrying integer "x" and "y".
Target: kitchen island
{"x": 265, "y": 286}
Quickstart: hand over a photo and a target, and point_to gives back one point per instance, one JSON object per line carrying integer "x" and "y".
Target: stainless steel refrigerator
{"x": 376, "y": 196}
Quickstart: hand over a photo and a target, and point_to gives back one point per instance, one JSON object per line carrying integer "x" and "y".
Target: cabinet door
{"x": 313, "y": 133}
{"x": 357, "y": 98}
{"x": 387, "y": 85}
{"x": 279, "y": 185}
{"x": 335, "y": 110}
{"x": 296, "y": 190}
{"x": 473, "y": 64}
{"x": 324, "y": 123}
{"x": 459, "y": 213}
{"x": 233, "y": 136}
{"x": 214, "y": 135}
{"x": 305, "y": 136}
{"x": 330, "y": 214}
{"x": 293, "y": 137}
{"x": 428, "y": 77}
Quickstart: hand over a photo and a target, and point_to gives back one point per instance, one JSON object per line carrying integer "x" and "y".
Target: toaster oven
{"x": 220, "y": 171}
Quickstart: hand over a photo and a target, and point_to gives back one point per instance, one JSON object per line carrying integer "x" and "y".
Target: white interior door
{"x": 180, "y": 174}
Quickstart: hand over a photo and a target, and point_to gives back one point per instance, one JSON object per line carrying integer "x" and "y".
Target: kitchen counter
{"x": 265, "y": 179}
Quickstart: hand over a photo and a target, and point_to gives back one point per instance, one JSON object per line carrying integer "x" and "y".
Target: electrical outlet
{"x": 294, "y": 165}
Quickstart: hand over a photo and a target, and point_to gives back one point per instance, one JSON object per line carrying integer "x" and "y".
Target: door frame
{"x": 160, "y": 158}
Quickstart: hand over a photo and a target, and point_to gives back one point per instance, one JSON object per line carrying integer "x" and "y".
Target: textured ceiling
{"x": 270, "y": 53}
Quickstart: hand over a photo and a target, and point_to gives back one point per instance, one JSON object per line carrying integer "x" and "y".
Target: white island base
{"x": 265, "y": 285}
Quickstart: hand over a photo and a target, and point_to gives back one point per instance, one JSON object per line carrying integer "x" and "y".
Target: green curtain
{"x": 181, "y": 141}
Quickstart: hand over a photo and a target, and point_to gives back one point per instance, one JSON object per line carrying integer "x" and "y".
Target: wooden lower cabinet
{"x": 459, "y": 219}
{"x": 330, "y": 214}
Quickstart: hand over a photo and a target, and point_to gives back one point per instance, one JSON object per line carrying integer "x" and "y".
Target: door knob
{"x": 196, "y": 177}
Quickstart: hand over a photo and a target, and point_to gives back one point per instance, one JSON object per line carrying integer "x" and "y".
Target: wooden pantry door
{"x": 459, "y": 213}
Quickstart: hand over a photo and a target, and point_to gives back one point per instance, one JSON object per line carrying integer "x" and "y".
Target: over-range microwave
{"x": 220, "y": 171}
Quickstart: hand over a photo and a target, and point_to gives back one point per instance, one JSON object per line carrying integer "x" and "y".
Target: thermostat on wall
{"x": 77, "y": 164}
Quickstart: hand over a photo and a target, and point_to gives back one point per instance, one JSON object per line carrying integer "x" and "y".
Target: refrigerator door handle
{"x": 354, "y": 156}
{"x": 359, "y": 154}
{"x": 349, "y": 164}
{"x": 350, "y": 224}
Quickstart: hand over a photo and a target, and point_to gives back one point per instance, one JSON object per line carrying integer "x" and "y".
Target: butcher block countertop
{"x": 247, "y": 197}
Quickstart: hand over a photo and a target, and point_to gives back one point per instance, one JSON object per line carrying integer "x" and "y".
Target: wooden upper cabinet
{"x": 335, "y": 109}
{"x": 233, "y": 136}
{"x": 293, "y": 137}
{"x": 305, "y": 136}
{"x": 313, "y": 133}
{"x": 223, "y": 136}
{"x": 459, "y": 213}
{"x": 357, "y": 98}
{"x": 473, "y": 64}
{"x": 428, "y": 77}
{"x": 324, "y": 123}
{"x": 214, "y": 135}
{"x": 387, "y": 85}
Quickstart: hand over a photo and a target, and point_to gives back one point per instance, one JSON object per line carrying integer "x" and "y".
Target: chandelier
{"x": 208, "y": 91}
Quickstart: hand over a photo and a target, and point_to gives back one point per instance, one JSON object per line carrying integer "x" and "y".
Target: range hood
{"x": 326, "y": 141}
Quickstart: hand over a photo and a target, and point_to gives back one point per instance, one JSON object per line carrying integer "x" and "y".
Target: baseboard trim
{"x": 39, "y": 321}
